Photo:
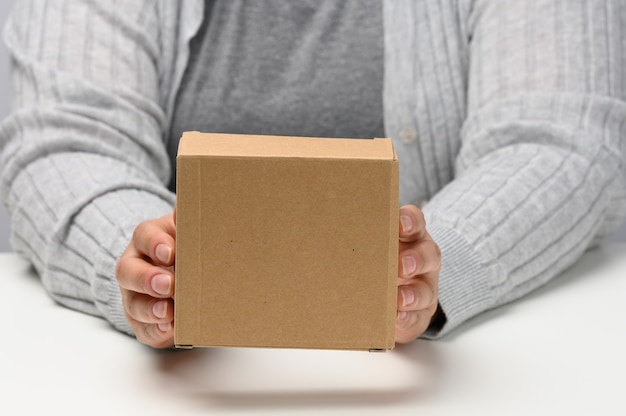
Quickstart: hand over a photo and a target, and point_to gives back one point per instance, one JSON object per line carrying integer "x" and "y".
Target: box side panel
{"x": 188, "y": 267}
{"x": 392, "y": 283}
{"x": 295, "y": 253}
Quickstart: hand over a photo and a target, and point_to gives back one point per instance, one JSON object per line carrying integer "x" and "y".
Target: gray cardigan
{"x": 508, "y": 118}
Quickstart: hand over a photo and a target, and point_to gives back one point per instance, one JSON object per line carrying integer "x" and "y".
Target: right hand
{"x": 145, "y": 274}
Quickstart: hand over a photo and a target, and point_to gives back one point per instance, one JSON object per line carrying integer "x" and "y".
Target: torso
{"x": 284, "y": 68}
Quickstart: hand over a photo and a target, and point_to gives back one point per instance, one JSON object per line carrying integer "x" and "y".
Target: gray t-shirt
{"x": 307, "y": 68}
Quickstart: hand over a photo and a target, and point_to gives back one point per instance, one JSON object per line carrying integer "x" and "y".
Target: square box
{"x": 286, "y": 242}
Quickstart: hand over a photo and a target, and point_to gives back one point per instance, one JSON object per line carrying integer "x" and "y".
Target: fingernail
{"x": 409, "y": 266}
{"x": 160, "y": 309}
{"x": 164, "y": 253}
{"x": 165, "y": 327}
{"x": 408, "y": 296}
{"x": 407, "y": 223}
{"x": 402, "y": 315}
{"x": 161, "y": 284}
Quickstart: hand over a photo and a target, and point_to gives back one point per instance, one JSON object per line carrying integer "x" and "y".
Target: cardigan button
{"x": 408, "y": 135}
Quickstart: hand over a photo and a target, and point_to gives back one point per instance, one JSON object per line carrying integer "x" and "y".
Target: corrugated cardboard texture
{"x": 286, "y": 242}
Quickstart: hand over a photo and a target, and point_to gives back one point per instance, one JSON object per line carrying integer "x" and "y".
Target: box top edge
{"x": 195, "y": 143}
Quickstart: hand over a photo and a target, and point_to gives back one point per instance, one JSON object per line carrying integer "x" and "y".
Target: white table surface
{"x": 561, "y": 350}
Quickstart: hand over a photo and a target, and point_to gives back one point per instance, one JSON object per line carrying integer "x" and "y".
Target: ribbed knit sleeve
{"x": 83, "y": 152}
{"x": 540, "y": 173}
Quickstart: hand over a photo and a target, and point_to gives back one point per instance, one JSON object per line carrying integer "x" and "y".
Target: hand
{"x": 145, "y": 274}
{"x": 419, "y": 261}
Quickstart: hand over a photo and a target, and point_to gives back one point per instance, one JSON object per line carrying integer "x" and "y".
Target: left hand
{"x": 419, "y": 262}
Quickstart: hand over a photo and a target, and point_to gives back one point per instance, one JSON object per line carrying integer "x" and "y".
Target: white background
{"x": 5, "y": 225}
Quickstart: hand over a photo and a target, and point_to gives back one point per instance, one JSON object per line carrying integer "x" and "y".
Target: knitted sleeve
{"x": 83, "y": 152}
{"x": 540, "y": 175}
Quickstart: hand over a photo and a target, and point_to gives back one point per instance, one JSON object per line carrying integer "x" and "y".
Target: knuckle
{"x": 139, "y": 230}
{"x": 156, "y": 338}
{"x": 143, "y": 281}
{"x": 422, "y": 264}
{"x": 119, "y": 268}
{"x": 131, "y": 306}
{"x": 139, "y": 329}
{"x": 412, "y": 327}
{"x": 143, "y": 334}
{"x": 427, "y": 297}
{"x": 437, "y": 256}
{"x": 405, "y": 335}
{"x": 139, "y": 308}
{"x": 431, "y": 254}
{"x": 152, "y": 334}
{"x": 122, "y": 265}
{"x": 419, "y": 217}
{"x": 144, "y": 234}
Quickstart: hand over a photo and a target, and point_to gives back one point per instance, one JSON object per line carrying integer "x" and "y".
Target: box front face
{"x": 283, "y": 252}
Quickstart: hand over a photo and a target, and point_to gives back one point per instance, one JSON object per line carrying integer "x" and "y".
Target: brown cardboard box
{"x": 286, "y": 242}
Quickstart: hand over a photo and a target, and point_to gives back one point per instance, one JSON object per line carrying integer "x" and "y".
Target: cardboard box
{"x": 287, "y": 242}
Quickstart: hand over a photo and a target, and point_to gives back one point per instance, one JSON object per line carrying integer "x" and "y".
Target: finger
{"x": 416, "y": 295}
{"x": 412, "y": 225}
{"x": 137, "y": 275}
{"x": 418, "y": 258}
{"x": 149, "y": 310}
{"x": 410, "y": 325}
{"x": 156, "y": 239}
{"x": 155, "y": 335}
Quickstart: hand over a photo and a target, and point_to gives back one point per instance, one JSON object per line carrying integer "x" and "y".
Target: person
{"x": 508, "y": 119}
